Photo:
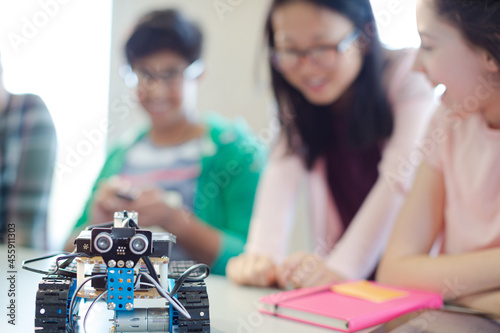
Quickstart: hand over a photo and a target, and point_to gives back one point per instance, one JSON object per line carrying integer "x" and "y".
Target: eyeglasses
{"x": 148, "y": 78}
{"x": 324, "y": 56}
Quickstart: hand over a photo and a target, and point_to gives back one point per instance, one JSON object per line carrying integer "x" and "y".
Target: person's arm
{"x": 273, "y": 212}
{"x": 272, "y": 220}
{"x": 407, "y": 262}
{"x": 31, "y": 192}
{"x": 487, "y": 302}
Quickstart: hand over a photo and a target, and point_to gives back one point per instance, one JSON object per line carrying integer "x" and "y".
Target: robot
{"x": 121, "y": 263}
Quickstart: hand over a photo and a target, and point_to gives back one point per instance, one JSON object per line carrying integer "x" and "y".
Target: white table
{"x": 233, "y": 309}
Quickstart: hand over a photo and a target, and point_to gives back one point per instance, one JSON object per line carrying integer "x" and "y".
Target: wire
{"x": 69, "y": 259}
{"x": 150, "y": 268}
{"x": 59, "y": 270}
{"x": 173, "y": 301}
{"x": 71, "y": 321}
{"x": 190, "y": 270}
{"x": 24, "y": 265}
{"x": 90, "y": 308}
{"x": 131, "y": 222}
{"x": 184, "y": 277}
{"x": 138, "y": 283}
{"x": 147, "y": 261}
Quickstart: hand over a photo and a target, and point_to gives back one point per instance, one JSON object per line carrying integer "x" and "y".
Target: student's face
{"x": 303, "y": 26}
{"x": 162, "y": 91}
{"x": 446, "y": 58}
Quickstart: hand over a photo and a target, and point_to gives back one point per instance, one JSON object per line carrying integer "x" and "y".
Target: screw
{"x": 111, "y": 263}
{"x": 129, "y": 264}
{"x": 111, "y": 306}
{"x": 121, "y": 263}
{"x": 202, "y": 314}
{"x": 129, "y": 306}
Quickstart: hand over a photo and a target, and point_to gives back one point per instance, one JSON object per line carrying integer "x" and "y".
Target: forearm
{"x": 357, "y": 253}
{"x": 487, "y": 302}
{"x": 274, "y": 207}
{"x": 201, "y": 240}
{"x": 453, "y": 276}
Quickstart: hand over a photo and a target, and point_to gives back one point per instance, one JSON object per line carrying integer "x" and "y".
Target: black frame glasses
{"x": 325, "y": 55}
{"x": 147, "y": 78}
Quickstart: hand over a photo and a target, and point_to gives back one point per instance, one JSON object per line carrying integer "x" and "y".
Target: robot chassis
{"x": 123, "y": 263}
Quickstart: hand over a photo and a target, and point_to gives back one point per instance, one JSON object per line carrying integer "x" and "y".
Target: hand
{"x": 111, "y": 197}
{"x": 301, "y": 270}
{"x": 153, "y": 210}
{"x": 106, "y": 201}
{"x": 251, "y": 269}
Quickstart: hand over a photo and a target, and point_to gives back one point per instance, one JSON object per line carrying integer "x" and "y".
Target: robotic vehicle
{"x": 124, "y": 266}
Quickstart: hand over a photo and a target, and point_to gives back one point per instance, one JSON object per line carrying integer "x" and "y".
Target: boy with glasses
{"x": 195, "y": 178}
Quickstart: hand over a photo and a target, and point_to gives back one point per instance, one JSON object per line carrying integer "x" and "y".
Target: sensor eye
{"x": 103, "y": 242}
{"x": 139, "y": 244}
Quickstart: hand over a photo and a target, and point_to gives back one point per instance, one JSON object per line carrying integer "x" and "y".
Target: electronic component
{"x": 123, "y": 263}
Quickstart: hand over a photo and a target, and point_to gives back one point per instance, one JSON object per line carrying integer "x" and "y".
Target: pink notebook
{"x": 353, "y": 306}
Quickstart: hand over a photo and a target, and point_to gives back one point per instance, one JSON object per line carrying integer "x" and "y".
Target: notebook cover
{"x": 322, "y": 307}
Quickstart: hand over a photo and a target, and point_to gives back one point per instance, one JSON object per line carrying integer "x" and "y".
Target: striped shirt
{"x": 174, "y": 169}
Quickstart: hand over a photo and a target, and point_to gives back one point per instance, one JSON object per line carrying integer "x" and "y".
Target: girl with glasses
{"x": 351, "y": 113}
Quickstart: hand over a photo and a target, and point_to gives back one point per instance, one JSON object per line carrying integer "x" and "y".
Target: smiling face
{"x": 302, "y": 26}
{"x": 162, "y": 90}
{"x": 447, "y": 58}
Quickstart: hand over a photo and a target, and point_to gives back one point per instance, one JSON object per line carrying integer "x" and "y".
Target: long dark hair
{"x": 370, "y": 114}
{"x": 478, "y": 21}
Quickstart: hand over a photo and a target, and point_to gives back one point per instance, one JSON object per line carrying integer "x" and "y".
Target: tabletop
{"x": 232, "y": 308}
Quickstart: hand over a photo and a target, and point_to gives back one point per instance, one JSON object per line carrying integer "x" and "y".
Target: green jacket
{"x": 231, "y": 164}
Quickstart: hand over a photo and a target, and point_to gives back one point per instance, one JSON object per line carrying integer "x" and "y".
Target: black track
{"x": 52, "y": 305}
{"x": 194, "y": 297}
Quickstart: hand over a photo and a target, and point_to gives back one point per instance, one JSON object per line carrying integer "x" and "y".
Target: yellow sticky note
{"x": 368, "y": 291}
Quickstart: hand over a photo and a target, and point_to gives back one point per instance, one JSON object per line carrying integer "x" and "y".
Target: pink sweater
{"x": 354, "y": 252}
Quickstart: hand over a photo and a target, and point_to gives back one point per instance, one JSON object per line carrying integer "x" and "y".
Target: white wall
{"x": 396, "y": 22}
{"x": 59, "y": 49}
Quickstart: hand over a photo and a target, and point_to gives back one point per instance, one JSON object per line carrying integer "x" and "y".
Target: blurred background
{"x": 70, "y": 53}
